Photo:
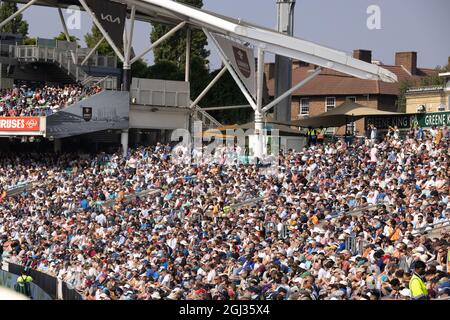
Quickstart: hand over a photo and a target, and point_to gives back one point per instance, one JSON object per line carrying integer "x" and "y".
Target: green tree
{"x": 174, "y": 50}
{"x": 140, "y": 69}
{"x": 17, "y": 25}
{"x": 165, "y": 70}
{"x": 62, "y": 37}
{"x": 434, "y": 79}
{"x": 29, "y": 41}
{"x": 226, "y": 93}
{"x": 404, "y": 86}
{"x": 94, "y": 37}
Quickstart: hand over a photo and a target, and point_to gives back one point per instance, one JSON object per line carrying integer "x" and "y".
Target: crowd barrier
{"x": 43, "y": 287}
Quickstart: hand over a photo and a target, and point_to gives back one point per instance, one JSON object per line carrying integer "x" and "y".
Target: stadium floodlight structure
{"x": 250, "y": 35}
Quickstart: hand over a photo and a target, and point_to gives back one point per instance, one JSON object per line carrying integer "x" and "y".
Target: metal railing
{"x": 63, "y": 59}
{"x": 45, "y": 286}
{"x": 431, "y": 229}
{"x": 208, "y": 120}
{"x": 130, "y": 197}
{"x": 354, "y": 212}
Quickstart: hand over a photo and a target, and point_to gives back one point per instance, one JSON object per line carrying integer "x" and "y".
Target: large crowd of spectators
{"x": 190, "y": 239}
{"x": 21, "y": 101}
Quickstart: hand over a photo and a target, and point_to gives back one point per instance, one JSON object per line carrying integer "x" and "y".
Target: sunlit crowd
{"x": 337, "y": 221}
{"x": 21, "y": 101}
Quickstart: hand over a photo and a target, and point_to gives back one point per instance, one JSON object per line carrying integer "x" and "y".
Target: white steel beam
{"x": 126, "y": 63}
{"x": 260, "y": 79}
{"x": 92, "y": 51}
{"x": 157, "y": 42}
{"x": 294, "y": 88}
{"x": 102, "y": 30}
{"x": 15, "y": 14}
{"x": 187, "y": 67}
{"x": 208, "y": 87}
{"x": 275, "y": 42}
{"x": 227, "y": 107}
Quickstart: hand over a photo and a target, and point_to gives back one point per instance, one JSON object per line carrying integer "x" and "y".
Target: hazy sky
{"x": 406, "y": 25}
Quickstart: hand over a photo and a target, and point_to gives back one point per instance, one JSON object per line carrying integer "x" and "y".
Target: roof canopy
{"x": 172, "y": 12}
{"x": 346, "y": 112}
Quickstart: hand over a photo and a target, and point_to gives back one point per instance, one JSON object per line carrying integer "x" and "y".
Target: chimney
{"x": 408, "y": 60}
{"x": 363, "y": 55}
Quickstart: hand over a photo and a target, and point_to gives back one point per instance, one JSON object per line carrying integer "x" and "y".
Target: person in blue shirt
{"x": 84, "y": 204}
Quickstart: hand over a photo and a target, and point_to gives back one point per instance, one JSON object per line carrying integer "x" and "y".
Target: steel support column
{"x": 187, "y": 67}
{"x": 126, "y": 74}
{"x": 259, "y": 114}
{"x": 283, "y": 64}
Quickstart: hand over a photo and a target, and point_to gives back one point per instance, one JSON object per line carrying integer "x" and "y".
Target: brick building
{"x": 331, "y": 88}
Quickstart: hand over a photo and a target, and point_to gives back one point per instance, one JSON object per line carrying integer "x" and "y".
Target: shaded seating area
{"x": 342, "y": 115}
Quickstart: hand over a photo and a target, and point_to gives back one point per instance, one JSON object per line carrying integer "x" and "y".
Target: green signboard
{"x": 437, "y": 119}
{"x": 406, "y": 121}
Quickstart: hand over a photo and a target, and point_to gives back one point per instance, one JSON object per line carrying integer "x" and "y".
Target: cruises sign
{"x": 22, "y": 126}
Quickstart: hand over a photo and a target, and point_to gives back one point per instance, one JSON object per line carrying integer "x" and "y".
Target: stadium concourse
{"x": 188, "y": 241}
{"x": 21, "y": 101}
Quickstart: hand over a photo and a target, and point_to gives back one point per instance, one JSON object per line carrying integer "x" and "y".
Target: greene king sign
{"x": 406, "y": 121}
{"x": 438, "y": 119}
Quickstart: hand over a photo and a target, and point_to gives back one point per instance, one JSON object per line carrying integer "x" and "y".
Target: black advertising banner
{"x": 111, "y": 16}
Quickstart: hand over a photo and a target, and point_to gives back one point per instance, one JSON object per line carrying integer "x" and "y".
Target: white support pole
{"x": 230, "y": 68}
{"x": 102, "y": 30}
{"x": 290, "y": 91}
{"x": 187, "y": 67}
{"x": 208, "y": 87}
{"x": 260, "y": 79}
{"x": 125, "y": 42}
{"x": 92, "y": 51}
{"x": 259, "y": 115}
{"x": 157, "y": 42}
{"x": 124, "y": 142}
{"x": 15, "y": 14}
{"x": 66, "y": 33}
{"x": 127, "y": 63}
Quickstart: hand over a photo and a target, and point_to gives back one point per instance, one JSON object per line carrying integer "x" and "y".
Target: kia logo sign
{"x": 32, "y": 123}
{"x": 110, "y": 18}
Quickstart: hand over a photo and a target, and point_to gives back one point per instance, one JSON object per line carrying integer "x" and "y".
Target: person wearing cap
{"x": 416, "y": 284}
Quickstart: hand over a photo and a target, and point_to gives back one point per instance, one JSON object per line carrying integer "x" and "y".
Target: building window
{"x": 330, "y": 103}
{"x": 304, "y": 106}
{"x": 352, "y": 99}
